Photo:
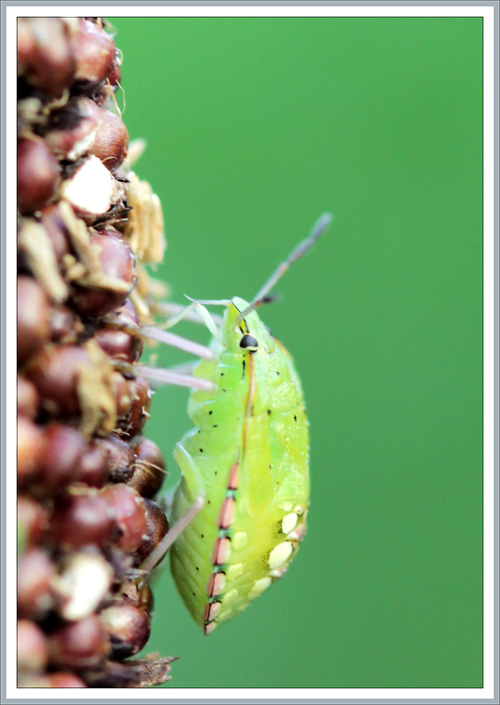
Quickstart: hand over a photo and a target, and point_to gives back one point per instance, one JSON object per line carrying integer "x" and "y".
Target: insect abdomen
{"x": 251, "y": 451}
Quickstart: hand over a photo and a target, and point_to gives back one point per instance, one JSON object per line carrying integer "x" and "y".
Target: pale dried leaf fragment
{"x": 95, "y": 388}
{"x": 34, "y": 242}
{"x": 145, "y": 228}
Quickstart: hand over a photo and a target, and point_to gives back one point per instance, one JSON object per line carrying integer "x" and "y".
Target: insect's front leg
{"x": 193, "y": 479}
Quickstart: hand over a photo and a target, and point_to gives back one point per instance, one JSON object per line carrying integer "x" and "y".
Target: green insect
{"x": 241, "y": 505}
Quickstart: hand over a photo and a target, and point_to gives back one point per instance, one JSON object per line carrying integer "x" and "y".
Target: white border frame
{"x": 490, "y": 149}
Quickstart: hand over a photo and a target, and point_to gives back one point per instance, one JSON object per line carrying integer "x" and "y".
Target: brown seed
{"x": 63, "y": 448}
{"x": 55, "y": 374}
{"x": 119, "y": 344}
{"x": 150, "y": 467}
{"x": 44, "y": 53}
{"x": 32, "y": 520}
{"x": 157, "y": 527}
{"x": 56, "y": 231}
{"x": 81, "y": 519}
{"x": 29, "y": 450}
{"x": 35, "y": 573}
{"x": 65, "y": 325}
{"x": 81, "y": 644}
{"x": 63, "y": 680}
{"x": 127, "y": 626}
{"x": 32, "y": 652}
{"x": 32, "y": 318}
{"x": 37, "y": 174}
{"x": 123, "y": 396}
{"x": 95, "y": 53}
{"x": 93, "y": 469}
{"x": 111, "y": 141}
{"x": 139, "y": 412}
{"x": 129, "y": 514}
{"x": 120, "y": 457}
{"x": 27, "y": 398}
{"x": 117, "y": 278}
{"x": 73, "y": 129}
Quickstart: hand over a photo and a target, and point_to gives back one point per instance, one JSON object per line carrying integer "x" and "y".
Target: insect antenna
{"x": 302, "y": 248}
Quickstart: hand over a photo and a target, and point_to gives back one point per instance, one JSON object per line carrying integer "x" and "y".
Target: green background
{"x": 254, "y": 128}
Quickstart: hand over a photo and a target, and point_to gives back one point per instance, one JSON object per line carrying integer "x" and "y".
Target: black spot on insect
{"x": 216, "y": 472}
{"x": 201, "y": 450}
{"x": 208, "y": 501}
{"x": 244, "y": 367}
{"x": 202, "y": 536}
{"x": 248, "y": 342}
{"x": 194, "y": 594}
{"x": 277, "y": 373}
{"x": 215, "y": 425}
{"x": 270, "y": 467}
{"x": 294, "y": 418}
{"x": 210, "y": 412}
{"x": 222, "y": 374}
{"x": 197, "y": 568}
{"x": 224, "y": 390}
{"x": 269, "y": 412}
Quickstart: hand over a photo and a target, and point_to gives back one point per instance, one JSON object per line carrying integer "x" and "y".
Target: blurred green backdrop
{"x": 255, "y": 127}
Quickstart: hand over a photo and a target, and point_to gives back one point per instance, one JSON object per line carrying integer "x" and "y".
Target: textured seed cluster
{"x": 87, "y": 477}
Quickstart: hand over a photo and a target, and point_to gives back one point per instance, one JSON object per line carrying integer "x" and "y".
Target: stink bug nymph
{"x": 245, "y": 465}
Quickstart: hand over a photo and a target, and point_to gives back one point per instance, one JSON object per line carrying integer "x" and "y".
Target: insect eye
{"x": 248, "y": 341}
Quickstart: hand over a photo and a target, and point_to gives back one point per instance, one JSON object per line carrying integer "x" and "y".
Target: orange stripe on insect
{"x": 216, "y": 584}
{"x": 222, "y": 551}
{"x": 226, "y": 514}
{"x": 233, "y": 477}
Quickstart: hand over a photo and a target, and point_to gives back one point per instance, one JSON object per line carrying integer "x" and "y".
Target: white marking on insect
{"x": 259, "y": 586}
{"x": 289, "y": 522}
{"x": 240, "y": 540}
{"x": 280, "y": 554}
{"x": 234, "y": 570}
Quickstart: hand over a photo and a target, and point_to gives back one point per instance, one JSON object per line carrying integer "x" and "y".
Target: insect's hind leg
{"x": 194, "y": 482}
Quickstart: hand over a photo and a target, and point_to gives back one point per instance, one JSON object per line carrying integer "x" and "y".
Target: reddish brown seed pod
{"x": 60, "y": 679}
{"x": 129, "y": 513}
{"x": 80, "y": 644}
{"x": 32, "y": 318}
{"x": 35, "y": 575}
{"x": 37, "y": 174}
{"x": 45, "y": 57}
{"x": 29, "y": 450}
{"x": 119, "y": 344}
{"x": 94, "y": 52}
{"x": 111, "y": 141}
{"x": 73, "y": 129}
{"x": 32, "y": 520}
{"x": 55, "y": 374}
{"x": 157, "y": 527}
{"x": 116, "y": 278}
{"x": 120, "y": 457}
{"x": 65, "y": 325}
{"x": 81, "y": 519}
{"x": 127, "y": 627}
{"x": 56, "y": 230}
{"x": 32, "y": 651}
{"x": 123, "y": 396}
{"x": 141, "y": 394}
{"x": 150, "y": 467}
{"x": 63, "y": 449}
{"x": 27, "y": 398}
{"x": 93, "y": 468}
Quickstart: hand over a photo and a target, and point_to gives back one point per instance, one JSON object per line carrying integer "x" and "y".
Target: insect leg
{"x": 194, "y": 482}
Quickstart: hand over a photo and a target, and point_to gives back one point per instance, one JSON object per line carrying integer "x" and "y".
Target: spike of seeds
{"x": 86, "y": 514}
